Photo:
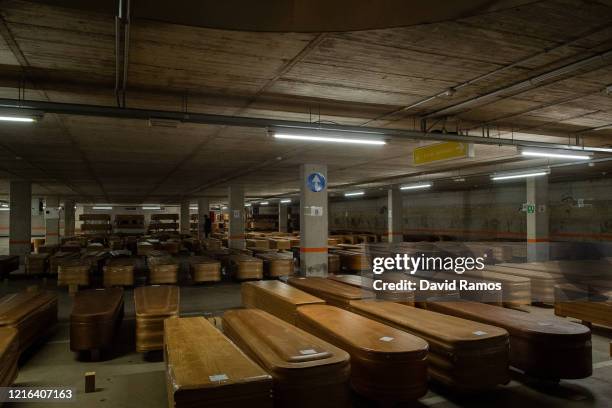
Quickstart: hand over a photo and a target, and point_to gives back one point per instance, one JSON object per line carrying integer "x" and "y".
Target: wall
{"x": 487, "y": 213}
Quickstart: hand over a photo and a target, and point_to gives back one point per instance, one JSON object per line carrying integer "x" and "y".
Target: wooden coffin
{"x": 59, "y": 258}
{"x": 205, "y": 369}
{"x": 152, "y": 305}
{"x": 210, "y": 243}
{"x": 204, "y": 269}
{"x": 144, "y": 248}
{"x": 73, "y": 273}
{"x": 258, "y": 243}
{"x": 550, "y": 348}
{"x": 119, "y": 272}
{"x": 95, "y": 316}
{"x": 464, "y": 355}
{"x": 591, "y": 305}
{"x": 358, "y": 281}
{"x": 568, "y": 269}
{"x": 171, "y": 247}
{"x": 163, "y": 269}
{"x": 32, "y": 314}
{"x": 516, "y": 290}
{"x": 279, "y": 243}
{"x": 354, "y": 261}
{"x": 387, "y": 364}
{"x": 9, "y": 355}
{"x": 36, "y": 264}
{"x": 276, "y": 298}
{"x": 332, "y": 292}
{"x": 307, "y": 371}
{"x": 276, "y": 264}
{"x": 8, "y": 264}
{"x": 333, "y": 263}
{"x": 484, "y": 295}
{"x": 244, "y": 267}
{"x": 542, "y": 283}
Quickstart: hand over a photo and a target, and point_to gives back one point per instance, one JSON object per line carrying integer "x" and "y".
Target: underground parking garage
{"x": 306, "y": 203}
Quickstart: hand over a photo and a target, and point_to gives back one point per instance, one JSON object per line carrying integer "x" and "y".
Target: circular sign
{"x": 316, "y": 182}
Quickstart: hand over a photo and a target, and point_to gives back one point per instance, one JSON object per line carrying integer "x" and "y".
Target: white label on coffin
{"x": 479, "y": 333}
{"x": 308, "y": 352}
{"x": 218, "y": 377}
{"x": 386, "y": 338}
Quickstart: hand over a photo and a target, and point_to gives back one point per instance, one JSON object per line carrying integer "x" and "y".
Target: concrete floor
{"x": 127, "y": 379}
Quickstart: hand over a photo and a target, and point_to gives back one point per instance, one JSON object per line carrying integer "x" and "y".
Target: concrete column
{"x": 313, "y": 220}
{"x": 236, "y": 238}
{"x": 537, "y": 219}
{"x": 282, "y": 217}
{"x": 203, "y": 209}
{"x": 69, "y": 218}
{"x": 20, "y": 218}
{"x": 185, "y": 219}
{"x": 52, "y": 220}
{"x": 395, "y": 219}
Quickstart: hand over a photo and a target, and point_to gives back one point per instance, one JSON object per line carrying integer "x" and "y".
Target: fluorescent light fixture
{"x": 16, "y": 119}
{"x": 4, "y": 205}
{"x": 101, "y": 207}
{"x": 416, "y": 186}
{"x": 3, "y": 208}
{"x": 354, "y": 194}
{"x": 193, "y": 207}
{"x": 247, "y": 205}
{"x": 151, "y": 207}
{"x": 522, "y": 174}
{"x": 286, "y": 201}
{"x": 555, "y": 153}
{"x": 20, "y": 115}
{"x": 264, "y": 203}
{"x": 224, "y": 208}
{"x": 328, "y": 136}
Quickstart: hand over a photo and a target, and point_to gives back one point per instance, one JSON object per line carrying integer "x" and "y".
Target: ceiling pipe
{"x": 243, "y": 121}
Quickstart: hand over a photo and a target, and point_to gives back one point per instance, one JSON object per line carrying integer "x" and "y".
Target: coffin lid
{"x": 328, "y": 287}
{"x": 16, "y": 306}
{"x": 156, "y": 300}
{"x": 96, "y": 304}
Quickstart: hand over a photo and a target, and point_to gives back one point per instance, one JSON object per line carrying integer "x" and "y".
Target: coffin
{"x": 276, "y": 298}
{"x": 36, "y": 264}
{"x": 210, "y": 243}
{"x": 119, "y": 272}
{"x": 244, "y": 267}
{"x": 542, "y": 283}
{"x": 387, "y": 364}
{"x": 279, "y": 243}
{"x": 486, "y": 296}
{"x": 60, "y": 258}
{"x": 258, "y": 243}
{"x": 32, "y": 314}
{"x": 354, "y": 261}
{"x": 9, "y": 354}
{"x": 95, "y": 316}
{"x": 152, "y": 305}
{"x": 204, "y": 269}
{"x": 163, "y": 269}
{"x": 73, "y": 272}
{"x": 333, "y": 263}
{"x": 589, "y": 304}
{"x": 464, "y": 355}
{"x": 332, "y": 292}
{"x": 307, "y": 372}
{"x": 516, "y": 290}
{"x": 550, "y": 348}
{"x": 358, "y": 281}
{"x": 276, "y": 264}
{"x": 144, "y": 248}
{"x": 205, "y": 369}
{"x": 8, "y": 264}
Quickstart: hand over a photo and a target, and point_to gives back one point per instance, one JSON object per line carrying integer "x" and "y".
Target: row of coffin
{"x": 301, "y": 333}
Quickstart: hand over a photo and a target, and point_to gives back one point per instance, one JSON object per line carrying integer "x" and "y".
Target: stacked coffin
{"x": 144, "y": 248}
{"x": 586, "y": 302}
{"x": 152, "y": 305}
{"x": 332, "y": 292}
{"x": 59, "y": 258}
{"x": 73, "y": 272}
{"x": 258, "y": 243}
{"x": 119, "y": 272}
{"x": 550, "y": 348}
{"x": 354, "y": 260}
{"x": 162, "y": 269}
{"x": 276, "y": 298}
{"x": 210, "y": 243}
{"x": 542, "y": 283}
{"x": 204, "y": 368}
{"x": 307, "y": 371}
{"x": 464, "y": 355}
{"x": 244, "y": 267}
{"x": 9, "y": 354}
{"x": 387, "y": 364}
{"x": 279, "y": 243}
{"x": 95, "y": 316}
{"x": 333, "y": 263}
{"x": 32, "y": 314}
{"x": 276, "y": 264}
{"x": 358, "y": 281}
{"x": 36, "y": 264}
{"x": 515, "y": 290}
{"x": 204, "y": 269}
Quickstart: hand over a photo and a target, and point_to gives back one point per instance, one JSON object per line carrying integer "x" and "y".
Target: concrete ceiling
{"x": 372, "y": 78}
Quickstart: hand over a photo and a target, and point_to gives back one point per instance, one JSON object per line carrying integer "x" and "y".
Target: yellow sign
{"x": 442, "y": 151}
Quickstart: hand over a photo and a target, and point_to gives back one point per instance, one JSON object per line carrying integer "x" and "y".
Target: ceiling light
{"x": 20, "y": 115}
{"x": 327, "y": 136}
{"x": 416, "y": 186}
{"x": 151, "y": 207}
{"x": 264, "y": 203}
{"x": 16, "y": 119}
{"x": 286, "y": 201}
{"x": 247, "y": 205}
{"x": 459, "y": 179}
{"x": 555, "y": 153}
{"x": 354, "y": 194}
{"x": 101, "y": 207}
{"x": 522, "y": 174}
{"x": 4, "y": 209}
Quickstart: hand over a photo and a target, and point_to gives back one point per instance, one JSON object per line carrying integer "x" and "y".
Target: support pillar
{"x": 69, "y": 219}
{"x": 313, "y": 220}
{"x": 282, "y": 217}
{"x": 185, "y": 218}
{"x": 52, "y": 220}
{"x": 203, "y": 210}
{"x": 20, "y": 218}
{"x": 395, "y": 219}
{"x": 236, "y": 238}
{"x": 537, "y": 219}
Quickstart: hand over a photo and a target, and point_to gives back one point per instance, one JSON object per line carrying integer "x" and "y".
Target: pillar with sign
{"x": 537, "y": 219}
{"x": 395, "y": 227}
{"x": 20, "y": 218}
{"x": 313, "y": 220}
{"x": 236, "y": 238}
{"x": 52, "y": 220}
